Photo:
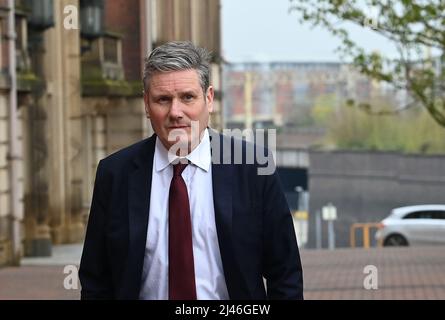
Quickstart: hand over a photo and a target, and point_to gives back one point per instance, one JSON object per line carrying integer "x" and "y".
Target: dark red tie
{"x": 181, "y": 270}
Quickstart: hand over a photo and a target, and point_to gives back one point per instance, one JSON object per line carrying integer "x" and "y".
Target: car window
{"x": 415, "y": 215}
{"x": 439, "y": 215}
{"x": 436, "y": 214}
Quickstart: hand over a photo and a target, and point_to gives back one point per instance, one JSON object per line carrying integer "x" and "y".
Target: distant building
{"x": 281, "y": 94}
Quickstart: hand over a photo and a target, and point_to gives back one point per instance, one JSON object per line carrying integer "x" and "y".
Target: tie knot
{"x": 179, "y": 168}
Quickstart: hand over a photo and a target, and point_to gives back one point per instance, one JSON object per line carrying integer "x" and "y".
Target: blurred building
{"x": 282, "y": 94}
{"x": 78, "y": 98}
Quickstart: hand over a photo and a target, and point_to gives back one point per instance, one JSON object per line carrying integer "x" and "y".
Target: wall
{"x": 365, "y": 186}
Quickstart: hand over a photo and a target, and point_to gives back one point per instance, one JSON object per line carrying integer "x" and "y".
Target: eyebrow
{"x": 192, "y": 92}
{"x": 169, "y": 94}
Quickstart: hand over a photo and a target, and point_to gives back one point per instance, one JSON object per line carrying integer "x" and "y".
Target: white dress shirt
{"x": 209, "y": 275}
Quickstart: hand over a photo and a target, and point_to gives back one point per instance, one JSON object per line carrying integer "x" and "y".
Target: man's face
{"x": 173, "y": 100}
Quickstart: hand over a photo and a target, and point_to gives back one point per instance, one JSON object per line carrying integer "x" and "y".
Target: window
{"x": 433, "y": 214}
{"x": 111, "y": 57}
{"x": 110, "y": 49}
{"x": 439, "y": 215}
{"x": 23, "y": 63}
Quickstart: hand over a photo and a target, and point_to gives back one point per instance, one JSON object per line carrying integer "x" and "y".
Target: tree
{"x": 413, "y": 131}
{"x": 415, "y": 27}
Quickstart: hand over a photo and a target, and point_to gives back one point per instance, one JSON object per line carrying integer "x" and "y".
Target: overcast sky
{"x": 263, "y": 30}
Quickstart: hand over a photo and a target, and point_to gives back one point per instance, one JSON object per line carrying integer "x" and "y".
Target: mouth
{"x": 178, "y": 127}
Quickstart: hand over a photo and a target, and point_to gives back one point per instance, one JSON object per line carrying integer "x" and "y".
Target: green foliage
{"x": 414, "y": 131}
{"x": 415, "y": 27}
{"x": 323, "y": 109}
{"x": 302, "y": 116}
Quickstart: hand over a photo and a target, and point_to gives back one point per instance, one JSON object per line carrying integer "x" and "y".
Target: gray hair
{"x": 177, "y": 56}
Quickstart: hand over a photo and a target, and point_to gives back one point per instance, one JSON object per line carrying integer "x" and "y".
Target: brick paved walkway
{"x": 35, "y": 282}
{"x": 403, "y": 273}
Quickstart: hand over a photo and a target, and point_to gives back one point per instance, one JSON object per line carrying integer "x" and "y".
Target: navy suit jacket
{"x": 254, "y": 226}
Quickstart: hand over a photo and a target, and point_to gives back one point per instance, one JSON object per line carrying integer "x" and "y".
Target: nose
{"x": 176, "y": 109}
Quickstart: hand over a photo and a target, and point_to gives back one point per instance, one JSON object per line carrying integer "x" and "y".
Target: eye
{"x": 163, "y": 99}
{"x": 188, "y": 97}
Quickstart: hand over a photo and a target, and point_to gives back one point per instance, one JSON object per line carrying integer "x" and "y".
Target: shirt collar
{"x": 200, "y": 156}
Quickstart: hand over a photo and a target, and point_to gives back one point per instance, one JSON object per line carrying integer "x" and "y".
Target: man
{"x": 174, "y": 217}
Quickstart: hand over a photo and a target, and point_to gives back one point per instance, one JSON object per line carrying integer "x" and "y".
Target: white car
{"x": 413, "y": 225}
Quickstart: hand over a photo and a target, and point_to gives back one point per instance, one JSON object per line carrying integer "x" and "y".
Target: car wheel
{"x": 395, "y": 240}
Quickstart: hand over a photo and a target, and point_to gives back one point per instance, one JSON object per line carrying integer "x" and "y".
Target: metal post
{"x": 366, "y": 240}
{"x": 318, "y": 229}
{"x": 331, "y": 235}
{"x": 248, "y": 101}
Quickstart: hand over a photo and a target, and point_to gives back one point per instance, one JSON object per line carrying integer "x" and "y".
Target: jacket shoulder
{"x": 235, "y": 146}
{"x": 127, "y": 155}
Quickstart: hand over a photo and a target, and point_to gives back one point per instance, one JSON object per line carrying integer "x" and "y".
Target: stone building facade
{"x": 79, "y": 98}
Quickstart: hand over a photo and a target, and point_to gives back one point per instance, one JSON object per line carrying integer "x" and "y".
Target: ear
{"x": 147, "y": 105}
{"x": 209, "y": 98}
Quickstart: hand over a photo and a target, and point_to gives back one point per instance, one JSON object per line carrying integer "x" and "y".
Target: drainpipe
{"x": 13, "y": 156}
{"x": 148, "y": 34}
{"x": 147, "y": 30}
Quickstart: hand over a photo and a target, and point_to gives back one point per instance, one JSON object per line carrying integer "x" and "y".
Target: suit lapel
{"x": 222, "y": 199}
{"x": 139, "y": 189}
